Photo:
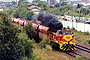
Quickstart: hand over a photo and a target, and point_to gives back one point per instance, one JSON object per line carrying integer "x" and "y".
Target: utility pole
{"x": 78, "y": 7}
{"x": 79, "y": 13}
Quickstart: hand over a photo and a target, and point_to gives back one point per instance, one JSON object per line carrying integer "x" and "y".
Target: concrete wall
{"x": 78, "y": 26}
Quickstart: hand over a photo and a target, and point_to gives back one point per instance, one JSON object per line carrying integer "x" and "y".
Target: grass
{"x": 46, "y": 54}
{"x": 81, "y": 58}
{"x": 82, "y": 37}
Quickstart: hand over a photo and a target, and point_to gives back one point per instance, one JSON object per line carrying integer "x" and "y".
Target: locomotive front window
{"x": 66, "y": 33}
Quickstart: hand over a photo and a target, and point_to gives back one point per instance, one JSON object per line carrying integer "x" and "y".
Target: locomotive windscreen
{"x": 50, "y": 20}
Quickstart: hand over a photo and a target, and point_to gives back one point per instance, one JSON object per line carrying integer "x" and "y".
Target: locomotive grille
{"x": 68, "y": 37}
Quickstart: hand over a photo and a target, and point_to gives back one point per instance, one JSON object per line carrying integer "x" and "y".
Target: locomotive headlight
{"x": 64, "y": 42}
{"x": 71, "y": 42}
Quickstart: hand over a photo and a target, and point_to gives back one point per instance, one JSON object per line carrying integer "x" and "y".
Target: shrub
{"x": 48, "y": 47}
{"x": 64, "y": 28}
{"x": 27, "y": 44}
{"x": 29, "y": 31}
{"x": 86, "y": 33}
{"x": 44, "y": 42}
{"x": 73, "y": 28}
{"x": 81, "y": 58}
{"x": 10, "y": 48}
{"x": 68, "y": 27}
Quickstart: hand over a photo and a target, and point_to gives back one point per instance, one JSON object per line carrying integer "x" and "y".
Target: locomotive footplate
{"x": 68, "y": 47}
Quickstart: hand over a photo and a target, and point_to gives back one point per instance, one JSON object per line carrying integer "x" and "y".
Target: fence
{"x": 78, "y": 26}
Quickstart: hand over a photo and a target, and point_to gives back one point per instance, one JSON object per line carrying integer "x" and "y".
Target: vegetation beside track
{"x": 81, "y": 58}
{"x": 45, "y": 54}
{"x": 82, "y": 37}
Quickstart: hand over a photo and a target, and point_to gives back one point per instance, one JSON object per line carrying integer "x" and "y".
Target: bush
{"x": 48, "y": 47}
{"x": 81, "y": 58}
{"x": 22, "y": 12}
{"x": 10, "y": 48}
{"x": 44, "y": 42}
{"x": 29, "y": 31}
{"x": 73, "y": 28}
{"x": 68, "y": 27}
{"x": 27, "y": 44}
{"x": 86, "y": 33}
{"x": 64, "y": 28}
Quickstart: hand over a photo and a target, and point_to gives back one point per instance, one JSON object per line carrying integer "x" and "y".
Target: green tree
{"x": 81, "y": 58}
{"x": 11, "y": 12}
{"x": 57, "y": 5}
{"x": 44, "y": 42}
{"x": 36, "y": 1}
{"x": 85, "y": 11}
{"x": 63, "y": 3}
{"x": 20, "y": 1}
{"x": 27, "y": 44}
{"x": 43, "y": 5}
{"x": 22, "y": 12}
{"x": 29, "y": 31}
{"x": 13, "y": 44}
{"x": 9, "y": 47}
{"x": 78, "y": 6}
{"x": 13, "y": 2}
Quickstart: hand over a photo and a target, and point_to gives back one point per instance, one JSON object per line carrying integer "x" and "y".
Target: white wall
{"x": 1, "y": 9}
{"x": 78, "y": 26}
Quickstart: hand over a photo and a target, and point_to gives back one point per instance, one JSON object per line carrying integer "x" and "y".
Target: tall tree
{"x": 36, "y": 1}
{"x": 22, "y": 12}
{"x": 9, "y": 47}
{"x": 42, "y": 4}
{"x": 29, "y": 31}
{"x": 13, "y": 44}
{"x": 20, "y": 1}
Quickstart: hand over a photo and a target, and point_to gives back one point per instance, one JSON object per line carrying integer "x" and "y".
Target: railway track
{"x": 73, "y": 54}
{"x": 79, "y": 51}
{"x": 80, "y": 47}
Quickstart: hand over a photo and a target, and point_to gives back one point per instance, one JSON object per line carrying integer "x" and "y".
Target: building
{"x": 51, "y": 2}
{"x": 30, "y": 1}
{"x": 17, "y": 1}
{"x": 57, "y": 1}
{"x": 1, "y": 10}
{"x": 34, "y": 8}
{"x": 60, "y": 1}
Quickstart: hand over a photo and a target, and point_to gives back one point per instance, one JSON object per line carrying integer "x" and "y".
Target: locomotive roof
{"x": 66, "y": 31}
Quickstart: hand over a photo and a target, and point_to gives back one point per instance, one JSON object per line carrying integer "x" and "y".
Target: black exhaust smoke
{"x": 50, "y": 20}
